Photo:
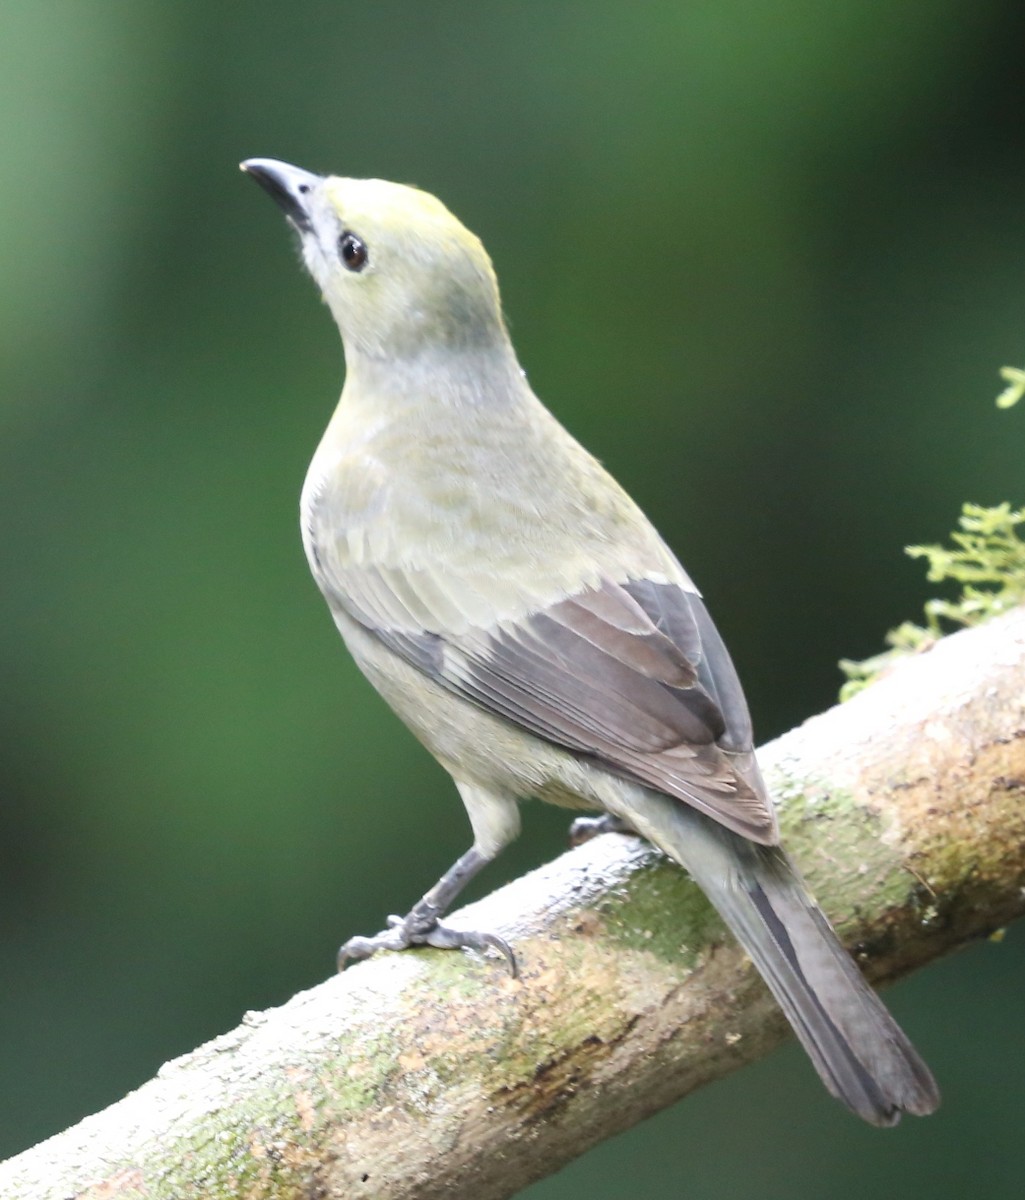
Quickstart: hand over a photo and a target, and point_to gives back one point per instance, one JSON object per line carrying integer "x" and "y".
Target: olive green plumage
{"x": 525, "y": 620}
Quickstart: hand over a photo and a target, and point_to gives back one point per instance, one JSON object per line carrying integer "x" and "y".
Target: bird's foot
{"x": 585, "y": 828}
{"x": 423, "y": 929}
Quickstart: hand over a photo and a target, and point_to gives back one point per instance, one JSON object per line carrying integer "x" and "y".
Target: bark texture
{"x": 431, "y": 1073}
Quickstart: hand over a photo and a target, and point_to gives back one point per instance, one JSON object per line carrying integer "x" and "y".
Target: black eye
{"x": 353, "y": 251}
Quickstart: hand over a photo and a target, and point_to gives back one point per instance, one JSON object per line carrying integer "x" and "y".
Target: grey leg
{"x": 420, "y": 926}
{"x": 495, "y": 821}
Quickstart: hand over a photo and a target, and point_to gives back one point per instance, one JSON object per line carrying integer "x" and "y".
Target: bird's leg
{"x": 495, "y": 817}
{"x": 420, "y": 926}
{"x": 585, "y": 828}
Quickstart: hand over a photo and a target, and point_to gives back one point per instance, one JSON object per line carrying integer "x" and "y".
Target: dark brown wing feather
{"x": 634, "y": 675}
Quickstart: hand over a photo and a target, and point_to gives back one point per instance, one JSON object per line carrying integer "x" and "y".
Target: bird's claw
{"x": 584, "y": 829}
{"x": 444, "y": 937}
{"x": 403, "y": 932}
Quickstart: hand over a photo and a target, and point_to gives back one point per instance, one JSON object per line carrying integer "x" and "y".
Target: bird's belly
{"x": 471, "y": 744}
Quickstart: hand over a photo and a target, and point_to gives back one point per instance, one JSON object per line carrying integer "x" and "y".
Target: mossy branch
{"x": 433, "y": 1074}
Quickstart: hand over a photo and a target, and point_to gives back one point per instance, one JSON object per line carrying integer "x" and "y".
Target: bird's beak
{"x": 290, "y": 187}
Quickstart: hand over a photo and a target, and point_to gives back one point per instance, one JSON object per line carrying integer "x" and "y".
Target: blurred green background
{"x": 763, "y": 257}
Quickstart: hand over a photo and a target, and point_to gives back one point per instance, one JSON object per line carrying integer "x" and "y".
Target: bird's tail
{"x": 859, "y": 1050}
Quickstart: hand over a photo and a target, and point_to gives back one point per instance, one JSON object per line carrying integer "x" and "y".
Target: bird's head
{"x": 401, "y": 275}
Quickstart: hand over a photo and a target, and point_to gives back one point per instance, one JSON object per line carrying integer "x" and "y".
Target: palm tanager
{"x": 525, "y": 620}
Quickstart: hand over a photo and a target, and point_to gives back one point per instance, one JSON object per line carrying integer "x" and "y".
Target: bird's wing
{"x": 634, "y": 675}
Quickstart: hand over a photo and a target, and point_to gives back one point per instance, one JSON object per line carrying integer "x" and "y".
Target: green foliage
{"x": 987, "y": 559}
{"x": 1014, "y": 377}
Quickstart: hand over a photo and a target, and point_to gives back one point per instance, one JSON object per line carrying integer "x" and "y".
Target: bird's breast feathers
{"x": 507, "y": 513}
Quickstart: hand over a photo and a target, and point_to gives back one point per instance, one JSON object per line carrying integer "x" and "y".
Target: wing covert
{"x": 635, "y": 675}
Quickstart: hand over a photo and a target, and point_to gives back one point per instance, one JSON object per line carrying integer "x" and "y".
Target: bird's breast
{"x": 486, "y": 508}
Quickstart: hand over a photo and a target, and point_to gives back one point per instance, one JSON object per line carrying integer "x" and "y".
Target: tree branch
{"x": 432, "y": 1073}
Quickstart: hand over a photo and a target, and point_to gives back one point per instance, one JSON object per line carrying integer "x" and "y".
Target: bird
{"x": 525, "y": 620}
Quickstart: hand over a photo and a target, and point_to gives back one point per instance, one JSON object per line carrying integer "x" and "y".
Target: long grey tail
{"x": 859, "y": 1050}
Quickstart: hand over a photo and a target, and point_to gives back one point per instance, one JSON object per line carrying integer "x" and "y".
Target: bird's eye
{"x": 353, "y": 251}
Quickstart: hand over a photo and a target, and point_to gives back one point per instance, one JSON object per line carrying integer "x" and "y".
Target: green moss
{"x": 834, "y": 852}
{"x": 359, "y": 1089}
{"x": 460, "y": 975}
{"x": 266, "y": 1148}
{"x": 635, "y": 918}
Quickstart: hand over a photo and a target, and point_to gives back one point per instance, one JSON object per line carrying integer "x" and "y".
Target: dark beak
{"x": 289, "y": 186}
